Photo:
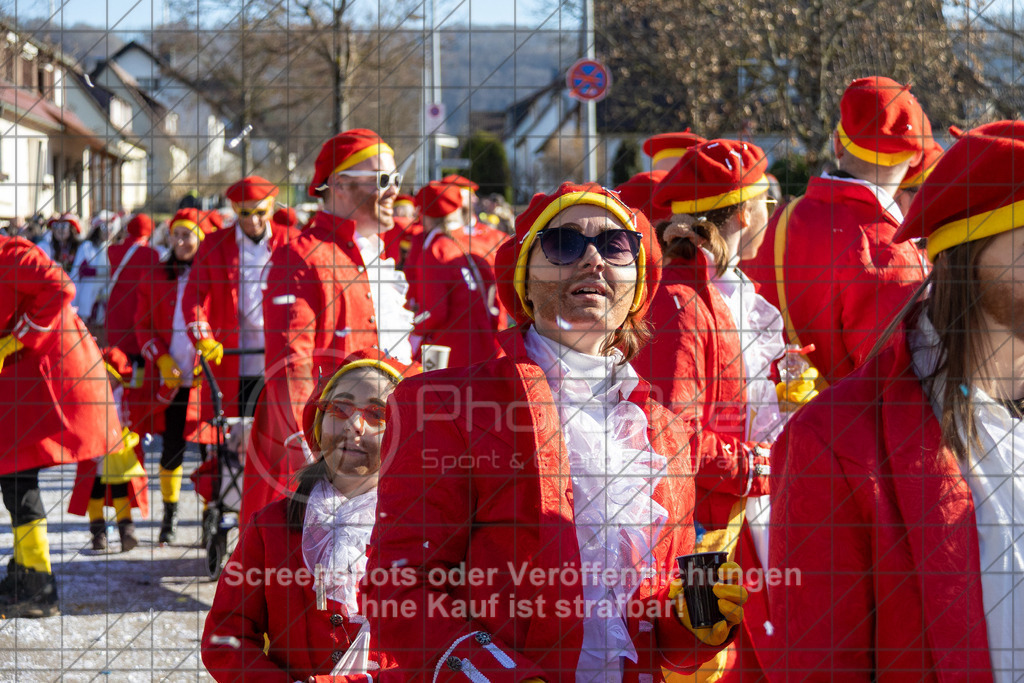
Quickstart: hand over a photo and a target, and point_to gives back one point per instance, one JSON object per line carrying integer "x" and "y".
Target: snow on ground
{"x": 124, "y": 616}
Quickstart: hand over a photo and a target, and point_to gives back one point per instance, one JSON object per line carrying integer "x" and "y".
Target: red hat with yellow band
{"x": 461, "y": 182}
{"x": 312, "y": 415}
{"x": 670, "y": 145}
{"x": 714, "y": 175}
{"x": 881, "y": 122}
{"x": 195, "y": 220}
{"x": 920, "y": 171}
{"x": 251, "y": 188}
{"x": 344, "y": 151}
{"x": 404, "y": 199}
{"x": 976, "y": 190}
{"x": 513, "y": 255}
{"x": 438, "y": 199}
{"x": 638, "y": 193}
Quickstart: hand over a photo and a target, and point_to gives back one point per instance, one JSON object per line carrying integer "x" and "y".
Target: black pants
{"x": 173, "y": 454}
{"x": 22, "y": 497}
{"x": 99, "y": 489}
{"x": 247, "y": 392}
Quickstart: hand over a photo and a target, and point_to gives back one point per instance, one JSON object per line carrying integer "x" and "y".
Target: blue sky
{"x": 140, "y": 14}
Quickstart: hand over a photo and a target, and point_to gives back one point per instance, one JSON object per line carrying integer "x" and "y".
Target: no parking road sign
{"x": 588, "y": 80}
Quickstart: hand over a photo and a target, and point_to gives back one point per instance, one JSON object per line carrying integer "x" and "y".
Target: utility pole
{"x": 589, "y": 107}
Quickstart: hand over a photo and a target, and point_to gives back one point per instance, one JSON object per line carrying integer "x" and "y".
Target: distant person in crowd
{"x": 171, "y": 356}
{"x": 666, "y": 149}
{"x": 839, "y": 294}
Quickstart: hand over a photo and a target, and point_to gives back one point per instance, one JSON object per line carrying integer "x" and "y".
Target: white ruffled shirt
{"x": 614, "y": 472}
{"x": 996, "y": 477}
{"x": 335, "y": 533}
{"x": 388, "y": 290}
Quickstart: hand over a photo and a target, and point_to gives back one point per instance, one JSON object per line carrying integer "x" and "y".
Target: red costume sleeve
{"x": 233, "y": 636}
{"x": 43, "y": 290}
{"x": 439, "y": 272}
{"x": 197, "y": 294}
{"x": 151, "y": 343}
{"x": 822, "y": 610}
{"x": 290, "y": 306}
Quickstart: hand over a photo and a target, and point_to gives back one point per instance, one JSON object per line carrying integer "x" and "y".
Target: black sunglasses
{"x": 563, "y": 246}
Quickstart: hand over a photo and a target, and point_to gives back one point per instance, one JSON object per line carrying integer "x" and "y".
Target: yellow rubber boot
{"x": 170, "y": 484}
{"x": 32, "y": 547}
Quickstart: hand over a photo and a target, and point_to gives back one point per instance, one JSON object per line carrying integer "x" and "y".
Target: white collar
{"x": 882, "y": 196}
{"x": 239, "y": 235}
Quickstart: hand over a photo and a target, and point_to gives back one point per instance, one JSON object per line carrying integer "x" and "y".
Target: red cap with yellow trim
{"x": 881, "y": 122}
{"x": 714, "y": 175}
{"x": 638, "y": 193}
{"x": 404, "y": 199}
{"x": 513, "y": 255}
{"x": 461, "y": 182}
{"x": 438, "y": 199}
{"x": 251, "y": 189}
{"x": 195, "y": 220}
{"x": 670, "y": 145}
{"x": 920, "y": 171}
{"x": 344, "y": 151}
{"x": 976, "y": 190}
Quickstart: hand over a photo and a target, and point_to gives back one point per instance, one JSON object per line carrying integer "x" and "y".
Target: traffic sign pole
{"x": 590, "y": 106}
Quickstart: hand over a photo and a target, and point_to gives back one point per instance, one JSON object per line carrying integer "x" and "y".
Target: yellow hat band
{"x": 917, "y": 179}
{"x": 721, "y": 201}
{"x": 610, "y": 204}
{"x": 673, "y": 153}
{"x": 191, "y": 225}
{"x": 376, "y": 149}
{"x": 987, "y": 224}
{"x": 870, "y": 155}
{"x": 264, "y": 203}
{"x": 318, "y": 419}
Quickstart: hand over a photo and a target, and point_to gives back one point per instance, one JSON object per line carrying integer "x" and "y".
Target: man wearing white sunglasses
{"x": 329, "y": 293}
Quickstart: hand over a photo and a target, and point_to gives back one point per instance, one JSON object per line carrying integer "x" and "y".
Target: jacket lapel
{"x": 935, "y": 502}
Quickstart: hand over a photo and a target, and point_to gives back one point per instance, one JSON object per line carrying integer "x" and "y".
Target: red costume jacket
{"x": 317, "y": 309}
{"x": 476, "y": 476}
{"x": 122, "y": 301}
{"x": 874, "y": 514}
{"x": 844, "y": 278}
{"x": 267, "y": 588}
{"x": 54, "y": 394}
{"x": 695, "y": 360}
{"x": 457, "y": 310}
{"x": 211, "y": 303}
{"x": 158, "y": 296}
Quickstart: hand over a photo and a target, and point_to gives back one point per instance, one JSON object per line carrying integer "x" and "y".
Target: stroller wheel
{"x": 216, "y": 555}
{"x": 210, "y": 517}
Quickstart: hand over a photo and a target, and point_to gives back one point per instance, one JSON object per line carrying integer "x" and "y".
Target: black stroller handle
{"x": 215, "y": 393}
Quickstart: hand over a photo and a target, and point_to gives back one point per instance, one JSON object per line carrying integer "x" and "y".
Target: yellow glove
{"x": 731, "y": 597}
{"x": 800, "y": 391}
{"x": 9, "y": 345}
{"x": 170, "y": 373}
{"x": 210, "y": 349}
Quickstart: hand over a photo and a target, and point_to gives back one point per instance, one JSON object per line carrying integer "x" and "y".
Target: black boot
{"x": 126, "y": 529}
{"x": 169, "y": 526}
{"x": 28, "y": 593}
{"x": 98, "y": 529}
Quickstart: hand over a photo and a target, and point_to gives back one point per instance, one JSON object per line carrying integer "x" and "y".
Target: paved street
{"x": 133, "y": 616}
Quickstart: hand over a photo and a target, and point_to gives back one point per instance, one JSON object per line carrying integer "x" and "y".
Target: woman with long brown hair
{"x": 899, "y": 497}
